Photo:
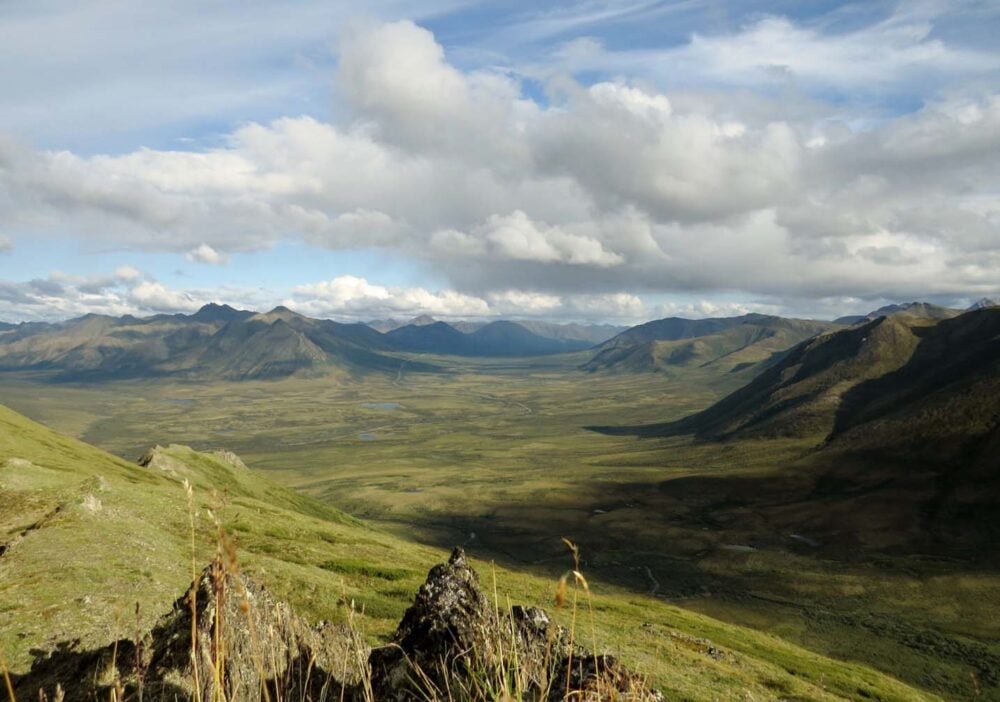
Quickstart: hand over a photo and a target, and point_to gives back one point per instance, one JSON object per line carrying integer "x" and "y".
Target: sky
{"x": 612, "y": 161}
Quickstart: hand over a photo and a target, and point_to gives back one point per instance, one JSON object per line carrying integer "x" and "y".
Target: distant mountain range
{"x": 729, "y": 343}
{"x": 216, "y": 341}
{"x": 590, "y": 333}
{"x": 387, "y": 325}
{"x": 924, "y": 310}
{"x": 219, "y": 341}
{"x": 984, "y": 303}
{"x": 223, "y": 342}
{"x": 501, "y": 338}
{"x": 888, "y": 381}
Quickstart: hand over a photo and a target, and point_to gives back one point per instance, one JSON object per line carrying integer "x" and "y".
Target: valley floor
{"x": 497, "y": 457}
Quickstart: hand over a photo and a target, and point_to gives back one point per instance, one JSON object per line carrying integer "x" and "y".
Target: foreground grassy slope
{"x": 86, "y": 535}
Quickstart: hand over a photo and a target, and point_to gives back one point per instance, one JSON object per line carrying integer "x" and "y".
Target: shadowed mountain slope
{"x": 946, "y": 395}
{"x": 892, "y": 367}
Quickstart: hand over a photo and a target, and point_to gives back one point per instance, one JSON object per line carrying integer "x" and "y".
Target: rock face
{"x": 243, "y": 636}
{"x": 452, "y": 644}
{"x": 252, "y": 640}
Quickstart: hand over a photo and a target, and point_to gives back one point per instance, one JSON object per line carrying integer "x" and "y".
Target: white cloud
{"x": 128, "y": 273}
{"x": 350, "y": 296}
{"x": 127, "y": 291}
{"x": 516, "y": 237}
{"x": 203, "y": 253}
{"x": 358, "y": 228}
{"x": 6, "y": 245}
{"x": 398, "y": 79}
{"x": 150, "y": 295}
{"x": 620, "y": 306}
{"x": 526, "y": 303}
{"x": 904, "y": 53}
{"x": 609, "y": 189}
{"x": 774, "y": 48}
{"x": 699, "y": 309}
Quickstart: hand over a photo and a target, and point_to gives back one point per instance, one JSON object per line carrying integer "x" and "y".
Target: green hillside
{"x": 216, "y": 342}
{"x": 726, "y": 344}
{"x": 86, "y": 535}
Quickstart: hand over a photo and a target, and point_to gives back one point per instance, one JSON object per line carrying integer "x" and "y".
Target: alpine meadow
{"x": 454, "y": 351}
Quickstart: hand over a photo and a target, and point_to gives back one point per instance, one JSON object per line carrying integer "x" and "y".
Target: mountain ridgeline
{"x": 897, "y": 420}
{"x": 220, "y": 342}
{"x": 909, "y": 381}
{"x": 217, "y": 341}
{"x": 728, "y": 344}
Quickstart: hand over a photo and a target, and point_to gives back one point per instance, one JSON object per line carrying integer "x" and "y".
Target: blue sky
{"x": 606, "y": 161}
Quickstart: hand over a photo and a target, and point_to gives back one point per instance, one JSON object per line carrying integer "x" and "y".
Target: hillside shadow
{"x": 943, "y": 357}
{"x": 88, "y": 675}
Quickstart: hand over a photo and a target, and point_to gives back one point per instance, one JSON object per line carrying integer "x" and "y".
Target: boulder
{"x": 453, "y": 643}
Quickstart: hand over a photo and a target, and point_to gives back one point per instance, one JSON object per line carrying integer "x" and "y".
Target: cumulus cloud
{"x": 515, "y": 237}
{"x": 127, "y": 290}
{"x": 128, "y": 273}
{"x": 351, "y": 297}
{"x": 203, "y": 253}
{"x": 599, "y": 194}
{"x": 6, "y": 245}
{"x": 153, "y": 296}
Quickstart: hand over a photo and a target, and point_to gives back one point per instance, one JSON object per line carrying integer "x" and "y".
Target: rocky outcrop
{"x": 453, "y": 643}
{"x": 243, "y": 638}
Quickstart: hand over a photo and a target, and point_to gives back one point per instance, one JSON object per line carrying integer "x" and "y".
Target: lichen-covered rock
{"x": 244, "y": 639}
{"x": 448, "y": 630}
{"x": 453, "y": 643}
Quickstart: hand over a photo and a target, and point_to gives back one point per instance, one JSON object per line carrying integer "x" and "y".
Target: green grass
{"x": 499, "y": 450}
{"x": 78, "y": 574}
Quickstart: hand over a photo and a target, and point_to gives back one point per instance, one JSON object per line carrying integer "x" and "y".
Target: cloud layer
{"x": 588, "y": 198}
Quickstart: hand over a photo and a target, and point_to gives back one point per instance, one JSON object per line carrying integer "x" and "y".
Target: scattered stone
{"x": 452, "y": 643}
{"x": 231, "y": 458}
{"x": 92, "y": 504}
{"x": 157, "y": 460}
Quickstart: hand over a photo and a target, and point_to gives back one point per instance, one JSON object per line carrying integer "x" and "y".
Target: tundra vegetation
{"x": 784, "y": 555}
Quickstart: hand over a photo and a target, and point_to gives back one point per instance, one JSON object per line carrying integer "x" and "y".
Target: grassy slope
{"x": 74, "y": 570}
{"x": 497, "y": 448}
{"x": 672, "y": 345}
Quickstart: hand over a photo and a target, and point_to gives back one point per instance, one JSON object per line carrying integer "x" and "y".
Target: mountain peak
{"x": 214, "y": 312}
{"x": 984, "y": 303}
{"x": 281, "y": 313}
{"x": 924, "y": 310}
{"x": 422, "y": 320}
